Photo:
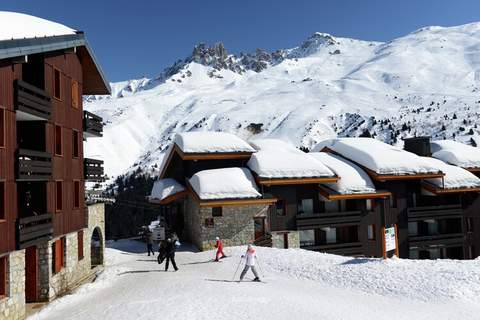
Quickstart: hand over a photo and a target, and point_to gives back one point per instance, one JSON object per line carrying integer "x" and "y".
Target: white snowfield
{"x": 456, "y": 153}
{"x": 378, "y": 156}
{"x": 225, "y": 183}
{"x": 298, "y": 285}
{"x": 14, "y": 25}
{"x": 279, "y": 159}
{"x": 352, "y": 178}
{"x": 211, "y": 142}
{"x": 455, "y": 177}
{"x": 164, "y": 188}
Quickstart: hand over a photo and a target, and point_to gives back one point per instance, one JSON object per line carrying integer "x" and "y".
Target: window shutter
{"x": 58, "y": 255}
{"x": 80, "y": 245}
{"x": 3, "y": 276}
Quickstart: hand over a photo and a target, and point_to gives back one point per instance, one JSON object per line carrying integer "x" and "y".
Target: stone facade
{"x": 278, "y": 239}
{"x": 12, "y": 307}
{"x": 235, "y": 227}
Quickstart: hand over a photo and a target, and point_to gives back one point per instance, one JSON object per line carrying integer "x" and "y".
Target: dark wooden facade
{"x": 40, "y": 135}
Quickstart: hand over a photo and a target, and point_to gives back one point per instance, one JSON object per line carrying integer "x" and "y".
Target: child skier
{"x": 219, "y": 246}
{"x": 250, "y": 257}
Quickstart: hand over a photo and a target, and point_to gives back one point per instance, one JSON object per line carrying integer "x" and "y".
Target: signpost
{"x": 390, "y": 240}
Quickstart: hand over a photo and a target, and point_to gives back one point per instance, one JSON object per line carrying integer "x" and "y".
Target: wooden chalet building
{"x": 337, "y": 199}
{"x": 45, "y": 225}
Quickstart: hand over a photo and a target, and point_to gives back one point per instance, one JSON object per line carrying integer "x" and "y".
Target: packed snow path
{"x": 298, "y": 284}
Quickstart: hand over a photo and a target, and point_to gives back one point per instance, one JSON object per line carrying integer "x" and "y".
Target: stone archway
{"x": 96, "y": 248}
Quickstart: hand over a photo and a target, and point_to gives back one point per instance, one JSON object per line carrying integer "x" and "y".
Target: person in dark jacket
{"x": 170, "y": 254}
{"x": 149, "y": 241}
{"x": 162, "y": 252}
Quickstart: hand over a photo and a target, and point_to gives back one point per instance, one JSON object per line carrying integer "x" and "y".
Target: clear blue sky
{"x": 139, "y": 37}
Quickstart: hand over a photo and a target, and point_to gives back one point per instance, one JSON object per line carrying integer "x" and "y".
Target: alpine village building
{"x": 50, "y": 240}
{"x": 338, "y": 199}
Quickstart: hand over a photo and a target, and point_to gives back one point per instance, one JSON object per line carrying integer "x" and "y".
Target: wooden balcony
{"x": 34, "y": 230}
{"x": 92, "y": 125}
{"x": 438, "y": 240}
{"x": 345, "y": 249}
{"x": 328, "y": 219}
{"x": 93, "y": 170}
{"x": 31, "y": 103}
{"x": 434, "y": 212}
{"x": 33, "y": 165}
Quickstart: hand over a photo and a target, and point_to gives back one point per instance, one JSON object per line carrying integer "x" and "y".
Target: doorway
{"x": 31, "y": 274}
{"x": 259, "y": 223}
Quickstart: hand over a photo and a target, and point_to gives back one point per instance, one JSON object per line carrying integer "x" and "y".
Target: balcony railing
{"x": 93, "y": 170}
{"x": 346, "y": 249}
{"x": 34, "y": 230}
{"x": 445, "y": 240}
{"x": 328, "y": 219}
{"x": 435, "y": 212}
{"x": 92, "y": 125}
{"x": 33, "y": 165}
{"x": 33, "y": 101}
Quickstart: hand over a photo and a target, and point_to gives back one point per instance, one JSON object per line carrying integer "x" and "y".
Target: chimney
{"x": 418, "y": 145}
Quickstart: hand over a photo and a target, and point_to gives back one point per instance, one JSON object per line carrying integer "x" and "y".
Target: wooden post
{"x": 384, "y": 245}
{"x": 396, "y": 242}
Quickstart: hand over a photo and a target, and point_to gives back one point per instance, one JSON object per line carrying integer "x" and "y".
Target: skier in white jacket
{"x": 250, "y": 257}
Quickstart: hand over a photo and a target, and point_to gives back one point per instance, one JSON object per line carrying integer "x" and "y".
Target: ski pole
{"x": 236, "y": 270}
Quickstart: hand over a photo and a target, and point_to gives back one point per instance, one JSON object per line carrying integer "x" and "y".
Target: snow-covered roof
{"x": 378, "y": 156}
{"x": 352, "y": 178}
{"x": 165, "y": 188}
{"x": 456, "y": 153}
{"x": 225, "y": 183}
{"x": 15, "y": 25}
{"x": 455, "y": 177}
{"x": 211, "y": 142}
{"x": 279, "y": 159}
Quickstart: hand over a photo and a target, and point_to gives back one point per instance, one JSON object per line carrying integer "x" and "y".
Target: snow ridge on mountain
{"x": 425, "y": 83}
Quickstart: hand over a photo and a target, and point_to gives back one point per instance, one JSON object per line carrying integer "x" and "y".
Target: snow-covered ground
{"x": 298, "y": 284}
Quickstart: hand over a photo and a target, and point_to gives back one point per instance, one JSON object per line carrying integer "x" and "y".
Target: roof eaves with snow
{"x": 457, "y": 153}
{"x": 95, "y": 83}
{"x": 165, "y": 191}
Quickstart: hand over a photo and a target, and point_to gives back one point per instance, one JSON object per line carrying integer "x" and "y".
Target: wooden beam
{"x": 290, "y": 181}
{"x": 171, "y": 198}
{"x": 337, "y": 196}
{"x": 437, "y": 190}
{"x": 236, "y": 202}
{"x": 473, "y": 170}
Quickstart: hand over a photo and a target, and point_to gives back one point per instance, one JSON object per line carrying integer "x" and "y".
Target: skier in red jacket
{"x": 219, "y": 246}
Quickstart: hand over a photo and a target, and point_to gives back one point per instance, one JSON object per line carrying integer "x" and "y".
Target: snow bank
{"x": 352, "y": 178}
{"x": 456, "y": 153}
{"x": 211, "y": 142}
{"x": 380, "y": 157}
{"x": 455, "y": 177}
{"x": 164, "y": 188}
{"x": 14, "y": 25}
{"x": 225, "y": 183}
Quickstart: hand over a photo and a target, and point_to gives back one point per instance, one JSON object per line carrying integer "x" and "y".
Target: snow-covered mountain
{"x": 425, "y": 83}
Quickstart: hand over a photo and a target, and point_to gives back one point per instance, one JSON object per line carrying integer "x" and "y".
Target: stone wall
{"x": 278, "y": 239}
{"x": 75, "y": 270}
{"x": 235, "y": 226}
{"x": 13, "y": 306}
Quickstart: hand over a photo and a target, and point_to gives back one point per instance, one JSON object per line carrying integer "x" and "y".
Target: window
{"x": 80, "y": 245}
{"x": 209, "y": 223}
{"x": 280, "y": 208}
{"x": 305, "y": 206}
{"x": 413, "y": 228}
{"x": 370, "y": 204}
{"x": 76, "y": 143}
{"x": 59, "y": 195}
{"x": 432, "y": 226}
{"x": 76, "y": 194}
{"x": 330, "y": 234}
{"x": 2, "y": 201}
{"x": 331, "y": 206}
{"x": 371, "y": 232}
{"x": 3, "y": 277}
{"x": 75, "y": 94}
{"x": 307, "y": 238}
{"x": 58, "y": 255}
{"x": 58, "y": 140}
{"x": 57, "y": 84}
{"x": 216, "y": 211}
{"x": 2, "y": 128}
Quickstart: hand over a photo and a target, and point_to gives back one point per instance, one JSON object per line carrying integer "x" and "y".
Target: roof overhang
{"x": 438, "y": 191}
{"x": 331, "y": 194}
{"x": 169, "y": 199}
{"x": 293, "y": 181}
{"x": 94, "y": 80}
{"x": 389, "y": 177}
{"x": 229, "y": 202}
